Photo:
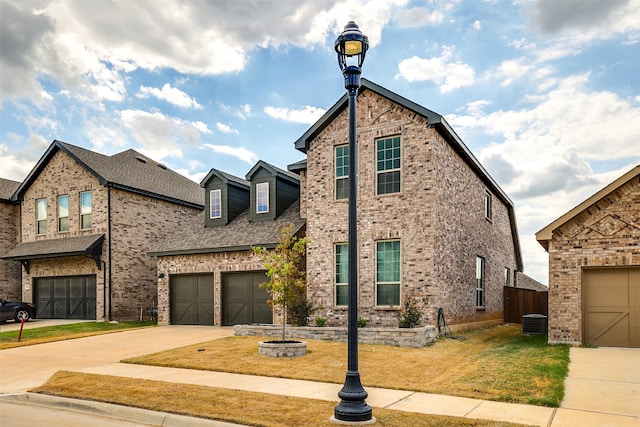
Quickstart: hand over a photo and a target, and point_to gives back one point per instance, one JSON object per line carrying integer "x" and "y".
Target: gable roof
{"x": 239, "y": 235}
{"x": 128, "y": 170}
{"x": 546, "y": 234}
{"x": 7, "y": 188}
{"x": 275, "y": 171}
{"x": 434, "y": 120}
{"x": 226, "y": 178}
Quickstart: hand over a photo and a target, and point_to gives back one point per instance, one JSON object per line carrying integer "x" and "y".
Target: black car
{"x": 16, "y": 311}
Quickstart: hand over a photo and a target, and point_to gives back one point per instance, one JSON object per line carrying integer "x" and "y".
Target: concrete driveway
{"x": 27, "y": 367}
{"x": 602, "y": 388}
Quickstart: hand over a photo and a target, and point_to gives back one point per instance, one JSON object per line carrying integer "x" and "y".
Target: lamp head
{"x": 351, "y": 43}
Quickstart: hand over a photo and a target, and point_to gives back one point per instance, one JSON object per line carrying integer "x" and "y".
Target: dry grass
{"x": 247, "y": 408}
{"x": 495, "y": 364}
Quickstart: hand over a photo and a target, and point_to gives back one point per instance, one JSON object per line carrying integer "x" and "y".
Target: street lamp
{"x": 351, "y": 47}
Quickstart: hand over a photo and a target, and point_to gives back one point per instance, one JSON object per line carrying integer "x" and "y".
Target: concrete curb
{"x": 143, "y": 416}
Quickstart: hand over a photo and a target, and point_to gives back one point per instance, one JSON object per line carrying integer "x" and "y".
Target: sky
{"x": 545, "y": 93}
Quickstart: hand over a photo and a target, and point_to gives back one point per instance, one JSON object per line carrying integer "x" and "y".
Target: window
{"x": 262, "y": 197}
{"x": 342, "y": 274}
{"x": 342, "y": 172}
{"x": 388, "y": 273}
{"x": 63, "y": 213}
{"x": 85, "y": 210}
{"x": 479, "y": 282}
{"x": 41, "y": 215}
{"x": 507, "y": 276}
{"x": 487, "y": 205}
{"x": 215, "y": 204}
{"x": 388, "y": 165}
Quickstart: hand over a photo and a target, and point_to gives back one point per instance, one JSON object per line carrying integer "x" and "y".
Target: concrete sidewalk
{"x": 602, "y": 388}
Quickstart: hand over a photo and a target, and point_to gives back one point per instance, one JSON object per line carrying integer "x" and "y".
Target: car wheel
{"x": 22, "y": 314}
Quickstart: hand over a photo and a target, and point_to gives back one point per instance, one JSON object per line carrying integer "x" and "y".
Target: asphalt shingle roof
{"x": 53, "y": 248}
{"x": 239, "y": 234}
{"x": 128, "y": 170}
{"x": 7, "y": 188}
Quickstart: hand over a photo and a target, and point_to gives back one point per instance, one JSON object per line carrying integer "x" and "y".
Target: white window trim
{"x": 378, "y": 172}
{"x": 335, "y": 273}
{"x": 219, "y": 193}
{"x": 399, "y": 283}
{"x": 38, "y": 219}
{"x": 480, "y": 288}
{"x": 488, "y": 205}
{"x": 335, "y": 176}
{"x": 258, "y": 187}
{"x": 90, "y": 212}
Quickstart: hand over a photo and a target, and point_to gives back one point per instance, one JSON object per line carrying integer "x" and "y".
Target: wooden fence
{"x": 518, "y": 302}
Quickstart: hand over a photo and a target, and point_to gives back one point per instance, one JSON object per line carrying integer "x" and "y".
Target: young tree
{"x": 287, "y": 281}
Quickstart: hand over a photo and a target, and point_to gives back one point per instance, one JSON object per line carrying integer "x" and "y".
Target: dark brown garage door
{"x": 243, "y": 302}
{"x": 611, "y": 302}
{"x": 69, "y": 297}
{"x": 191, "y": 299}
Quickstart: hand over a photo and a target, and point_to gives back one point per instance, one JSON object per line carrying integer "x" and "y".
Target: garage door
{"x": 191, "y": 299}
{"x": 611, "y": 301}
{"x": 243, "y": 302}
{"x": 69, "y": 297}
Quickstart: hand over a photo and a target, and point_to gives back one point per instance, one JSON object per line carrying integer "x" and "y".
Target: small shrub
{"x": 362, "y": 322}
{"x": 411, "y": 313}
{"x": 320, "y": 321}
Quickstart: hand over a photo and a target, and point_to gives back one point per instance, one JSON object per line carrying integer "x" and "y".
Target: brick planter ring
{"x": 282, "y": 349}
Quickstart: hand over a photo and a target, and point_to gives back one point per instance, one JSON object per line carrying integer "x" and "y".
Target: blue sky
{"x": 545, "y": 93}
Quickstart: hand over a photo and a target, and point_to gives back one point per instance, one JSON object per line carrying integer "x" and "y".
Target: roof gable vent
{"x": 162, "y": 166}
{"x": 141, "y": 159}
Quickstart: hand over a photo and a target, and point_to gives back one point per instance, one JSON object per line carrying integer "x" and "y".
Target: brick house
{"x": 87, "y": 222}
{"x": 10, "y": 275}
{"x": 207, "y": 273}
{"x": 432, "y": 223}
{"x": 594, "y": 268}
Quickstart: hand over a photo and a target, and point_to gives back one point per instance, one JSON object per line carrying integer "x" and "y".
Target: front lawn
{"x": 496, "y": 363}
{"x": 65, "y": 332}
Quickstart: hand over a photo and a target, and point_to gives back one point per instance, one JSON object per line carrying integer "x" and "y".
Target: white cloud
{"x": 443, "y": 71}
{"x": 170, "y": 94}
{"x": 226, "y": 128}
{"x": 160, "y": 135}
{"x": 418, "y": 17}
{"x": 511, "y": 70}
{"x": 238, "y": 152}
{"x": 308, "y": 115}
{"x": 476, "y": 25}
{"x": 14, "y": 166}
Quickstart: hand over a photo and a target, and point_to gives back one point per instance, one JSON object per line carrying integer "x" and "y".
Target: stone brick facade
{"x": 132, "y": 225}
{"x": 212, "y": 263}
{"x": 10, "y": 277}
{"x": 438, "y": 216}
{"x": 604, "y": 234}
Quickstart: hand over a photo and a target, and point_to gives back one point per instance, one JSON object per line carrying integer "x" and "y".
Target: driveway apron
{"x": 27, "y": 367}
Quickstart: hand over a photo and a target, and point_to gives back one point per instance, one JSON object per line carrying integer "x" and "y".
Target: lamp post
{"x": 351, "y": 46}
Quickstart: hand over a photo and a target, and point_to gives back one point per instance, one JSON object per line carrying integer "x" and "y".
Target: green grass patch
{"x": 46, "y": 334}
{"x": 496, "y": 363}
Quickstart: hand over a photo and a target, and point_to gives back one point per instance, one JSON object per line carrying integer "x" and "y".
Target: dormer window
{"x": 262, "y": 197}
{"x": 215, "y": 204}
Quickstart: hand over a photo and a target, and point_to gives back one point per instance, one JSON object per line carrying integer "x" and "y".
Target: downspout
{"x": 110, "y": 245}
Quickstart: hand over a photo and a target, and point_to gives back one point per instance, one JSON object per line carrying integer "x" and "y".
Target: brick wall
{"x": 137, "y": 223}
{"x": 10, "y": 271}
{"x": 215, "y": 263}
{"x": 438, "y": 217}
{"x": 604, "y": 235}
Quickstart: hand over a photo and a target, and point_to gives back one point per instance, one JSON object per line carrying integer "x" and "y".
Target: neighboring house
{"x": 10, "y": 277}
{"x": 87, "y": 222}
{"x": 594, "y": 268}
{"x": 208, "y": 274}
{"x": 432, "y": 223}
